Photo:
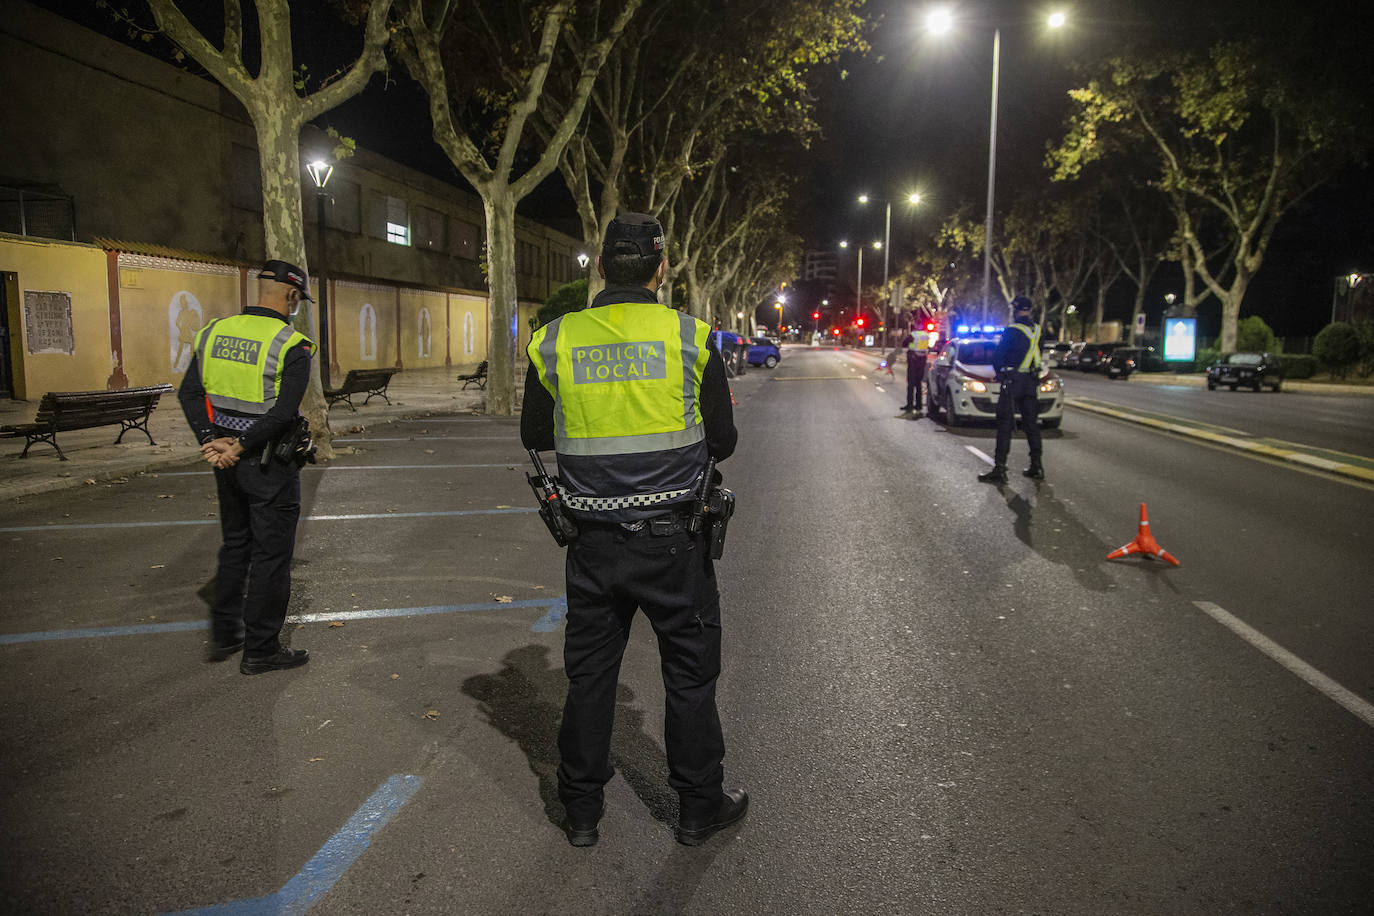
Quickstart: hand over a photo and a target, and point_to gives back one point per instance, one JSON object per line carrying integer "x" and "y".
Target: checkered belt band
{"x": 234, "y": 424}
{"x": 596, "y": 503}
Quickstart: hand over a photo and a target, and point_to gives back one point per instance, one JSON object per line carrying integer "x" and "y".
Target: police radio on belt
{"x": 551, "y": 508}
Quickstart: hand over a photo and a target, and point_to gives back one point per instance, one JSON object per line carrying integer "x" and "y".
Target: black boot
{"x": 694, "y": 830}
{"x": 1036, "y": 471}
{"x": 998, "y": 474}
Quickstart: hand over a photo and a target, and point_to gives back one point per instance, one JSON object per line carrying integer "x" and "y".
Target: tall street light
{"x": 320, "y": 170}
{"x": 859, "y": 291}
{"x": 939, "y": 22}
{"x": 913, "y": 199}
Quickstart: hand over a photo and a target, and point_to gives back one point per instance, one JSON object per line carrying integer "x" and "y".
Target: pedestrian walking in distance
{"x": 633, "y": 398}
{"x": 241, "y": 393}
{"x": 1017, "y": 361}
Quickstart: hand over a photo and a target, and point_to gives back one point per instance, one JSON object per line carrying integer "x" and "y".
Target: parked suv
{"x": 1252, "y": 370}
{"x": 961, "y": 385}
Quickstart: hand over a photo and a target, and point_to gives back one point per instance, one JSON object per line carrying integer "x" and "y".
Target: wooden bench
{"x": 60, "y": 411}
{"x": 371, "y": 382}
{"x": 478, "y": 378}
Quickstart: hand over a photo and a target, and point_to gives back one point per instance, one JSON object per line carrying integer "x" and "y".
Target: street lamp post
{"x": 887, "y": 246}
{"x": 940, "y": 21}
{"x": 320, "y": 170}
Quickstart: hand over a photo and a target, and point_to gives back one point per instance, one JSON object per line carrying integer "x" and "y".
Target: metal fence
{"x": 37, "y": 213}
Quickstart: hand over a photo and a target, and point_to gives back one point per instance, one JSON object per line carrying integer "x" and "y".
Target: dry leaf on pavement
{"x": 336, "y": 623}
{"x": 431, "y": 714}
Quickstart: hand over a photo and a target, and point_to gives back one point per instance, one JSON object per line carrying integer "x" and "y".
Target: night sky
{"x": 913, "y": 115}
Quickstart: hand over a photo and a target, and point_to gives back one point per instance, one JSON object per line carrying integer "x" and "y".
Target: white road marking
{"x": 981, "y": 454}
{"x": 1333, "y": 691}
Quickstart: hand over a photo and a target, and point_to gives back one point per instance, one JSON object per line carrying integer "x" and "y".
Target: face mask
{"x": 295, "y": 309}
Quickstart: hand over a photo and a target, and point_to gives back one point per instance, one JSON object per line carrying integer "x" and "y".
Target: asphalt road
{"x": 940, "y": 695}
{"x": 1344, "y": 423}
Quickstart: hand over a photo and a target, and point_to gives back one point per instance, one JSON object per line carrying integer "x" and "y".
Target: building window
{"x": 397, "y": 225}
{"x": 465, "y": 239}
{"x": 342, "y": 213}
{"x": 428, "y": 229}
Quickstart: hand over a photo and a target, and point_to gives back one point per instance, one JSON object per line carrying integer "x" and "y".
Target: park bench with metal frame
{"x": 62, "y": 411}
{"x": 371, "y": 382}
{"x": 478, "y": 378}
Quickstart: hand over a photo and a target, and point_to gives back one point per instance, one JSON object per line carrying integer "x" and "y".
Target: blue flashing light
{"x": 990, "y": 329}
{"x": 962, "y": 329}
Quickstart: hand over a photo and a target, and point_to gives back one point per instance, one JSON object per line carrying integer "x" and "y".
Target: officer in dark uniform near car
{"x": 241, "y": 394}
{"x": 634, "y": 399}
{"x": 1017, "y": 361}
{"x": 917, "y": 346}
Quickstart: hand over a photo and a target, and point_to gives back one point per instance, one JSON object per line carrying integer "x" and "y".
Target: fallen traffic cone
{"x": 1144, "y": 543}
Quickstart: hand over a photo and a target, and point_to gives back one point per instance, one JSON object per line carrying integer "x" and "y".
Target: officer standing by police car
{"x": 241, "y": 394}
{"x": 633, "y": 397}
{"x": 1017, "y": 361}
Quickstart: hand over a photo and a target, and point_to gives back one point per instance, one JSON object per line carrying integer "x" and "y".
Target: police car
{"x": 961, "y": 385}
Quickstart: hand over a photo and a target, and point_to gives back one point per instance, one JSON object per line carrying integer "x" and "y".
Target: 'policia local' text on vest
{"x": 625, "y": 380}
{"x": 240, "y": 361}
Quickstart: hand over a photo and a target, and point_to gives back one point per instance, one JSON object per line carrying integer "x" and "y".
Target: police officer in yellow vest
{"x": 634, "y": 399}
{"x": 241, "y": 392}
{"x": 917, "y": 344}
{"x": 1017, "y": 361}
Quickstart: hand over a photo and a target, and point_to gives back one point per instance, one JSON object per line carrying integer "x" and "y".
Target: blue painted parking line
{"x": 546, "y": 624}
{"x": 328, "y": 865}
{"x": 308, "y": 518}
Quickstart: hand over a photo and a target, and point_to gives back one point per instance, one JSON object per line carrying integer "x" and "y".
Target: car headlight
{"x": 1051, "y": 384}
{"x": 972, "y": 384}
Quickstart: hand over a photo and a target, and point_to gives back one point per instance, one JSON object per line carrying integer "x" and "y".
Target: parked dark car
{"x": 763, "y": 352}
{"x": 1253, "y": 370}
{"x": 1094, "y": 355}
{"x": 1123, "y": 361}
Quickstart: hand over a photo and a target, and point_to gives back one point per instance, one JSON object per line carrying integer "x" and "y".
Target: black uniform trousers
{"x": 915, "y": 371}
{"x": 258, "y": 511}
{"x": 611, "y": 572}
{"x": 1017, "y": 394}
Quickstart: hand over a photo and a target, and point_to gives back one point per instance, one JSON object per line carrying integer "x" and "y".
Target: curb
{"x": 1339, "y": 463}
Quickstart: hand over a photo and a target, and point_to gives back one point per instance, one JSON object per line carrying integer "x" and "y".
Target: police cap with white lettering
{"x": 287, "y": 273}
{"x": 634, "y": 233}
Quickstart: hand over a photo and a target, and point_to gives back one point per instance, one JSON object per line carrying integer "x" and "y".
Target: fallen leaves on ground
{"x": 395, "y": 676}
{"x": 316, "y": 759}
{"x": 158, "y": 566}
{"x": 431, "y": 714}
{"x": 336, "y": 623}
{"x": 504, "y": 599}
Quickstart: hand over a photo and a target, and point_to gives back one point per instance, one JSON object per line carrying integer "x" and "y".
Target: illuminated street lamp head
{"x": 1057, "y": 19}
{"x": 877, "y": 246}
{"x": 863, "y": 198}
{"x": 320, "y": 171}
{"x": 939, "y": 21}
{"x": 913, "y": 198}
{"x": 583, "y": 259}
{"x": 844, "y": 244}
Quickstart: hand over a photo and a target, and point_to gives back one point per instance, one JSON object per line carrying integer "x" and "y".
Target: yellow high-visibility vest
{"x": 625, "y": 379}
{"x": 240, "y": 361}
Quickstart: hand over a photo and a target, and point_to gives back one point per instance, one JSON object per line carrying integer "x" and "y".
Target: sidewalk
{"x": 92, "y": 457}
{"x": 1199, "y": 380}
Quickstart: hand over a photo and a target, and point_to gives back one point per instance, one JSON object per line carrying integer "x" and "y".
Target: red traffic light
{"x": 816, "y": 315}
{"x": 835, "y": 331}
{"x": 930, "y": 325}
{"x": 861, "y": 322}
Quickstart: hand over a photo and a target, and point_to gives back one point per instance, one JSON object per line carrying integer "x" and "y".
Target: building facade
{"x": 131, "y": 213}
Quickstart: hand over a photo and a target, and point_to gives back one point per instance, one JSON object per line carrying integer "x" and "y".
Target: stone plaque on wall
{"x": 48, "y": 321}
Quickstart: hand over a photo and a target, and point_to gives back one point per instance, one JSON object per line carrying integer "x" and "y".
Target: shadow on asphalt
{"x": 1050, "y": 528}
{"x": 524, "y": 702}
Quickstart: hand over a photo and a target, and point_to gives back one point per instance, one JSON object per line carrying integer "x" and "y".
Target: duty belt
{"x": 235, "y": 424}
{"x": 635, "y": 500}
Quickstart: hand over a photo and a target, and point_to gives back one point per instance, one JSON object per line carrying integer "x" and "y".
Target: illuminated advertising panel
{"x": 1180, "y": 340}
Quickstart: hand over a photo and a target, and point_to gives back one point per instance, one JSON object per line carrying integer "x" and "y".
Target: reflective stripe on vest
{"x": 1032, "y": 358}
{"x": 240, "y": 361}
{"x": 625, "y": 379}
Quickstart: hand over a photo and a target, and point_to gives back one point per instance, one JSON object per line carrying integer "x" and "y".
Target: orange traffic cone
{"x": 1144, "y": 543}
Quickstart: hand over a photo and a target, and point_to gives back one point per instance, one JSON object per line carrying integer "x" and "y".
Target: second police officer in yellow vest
{"x": 1017, "y": 361}
{"x": 634, "y": 400}
{"x": 241, "y": 393}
